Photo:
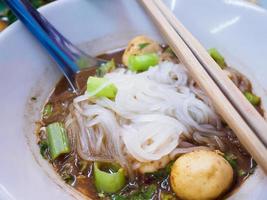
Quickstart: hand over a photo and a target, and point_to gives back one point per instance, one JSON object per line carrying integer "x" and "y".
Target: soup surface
{"x": 145, "y": 184}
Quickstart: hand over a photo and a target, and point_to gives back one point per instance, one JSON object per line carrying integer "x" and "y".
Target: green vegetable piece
{"x": 100, "y": 87}
{"x": 169, "y": 51}
{"x": 149, "y": 191}
{"x": 105, "y": 68}
{"x": 109, "y": 182}
{"x": 232, "y": 159}
{"x": 68, "y": 178}
{"x": 48, "y": 109}
{"x": 142, "y": 62}
{"x": 58, "y": 142}
{"x": 169, "y": 166}
{"x": 143, "y": 45}
{"x": 241, "y": 172}
{"x": 219, "y": 59}
{"x": 119, "y": 197}
{"x": 43, "y": 145}
{"x": 162, "y": 173}
{"x": 252, "y": 98}
{"x": 167, "y": 196}
{"x": 144, "y": 193}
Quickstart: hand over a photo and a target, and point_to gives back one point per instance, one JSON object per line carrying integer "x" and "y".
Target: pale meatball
{"x": 201, "y": 175}
{"x": 138, "y": 46}
{"x": 153, "y": 166}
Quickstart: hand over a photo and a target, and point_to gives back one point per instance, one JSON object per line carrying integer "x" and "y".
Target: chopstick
{"x": 227, "y": 99}
{"x": 235, "y": 96}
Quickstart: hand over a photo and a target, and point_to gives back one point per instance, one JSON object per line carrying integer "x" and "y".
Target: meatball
{"x": 138, "y": 46}
{"x": 201, "y": 175}
{"x": 153, "y": 166}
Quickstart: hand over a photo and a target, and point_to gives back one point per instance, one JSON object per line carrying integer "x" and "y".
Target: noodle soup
{"x": 146, "y": 131}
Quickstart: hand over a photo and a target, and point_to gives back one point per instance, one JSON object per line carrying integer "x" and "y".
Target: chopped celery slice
{"x": 100, "y": 87}
{"x": 219, "y": 59}
{"x": 109, "y": 182}
{"x": 58, "y": 142}
{"x": 143, "y": 62}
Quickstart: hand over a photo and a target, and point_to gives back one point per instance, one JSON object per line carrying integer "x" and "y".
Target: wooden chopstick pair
{"x": 248, "y": 125}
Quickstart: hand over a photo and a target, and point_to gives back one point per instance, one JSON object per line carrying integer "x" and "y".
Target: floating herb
{"x": 252, "y": 98}
{"x": 48, "y": 109}
{"x": 43, "y": 145}
{"x": 145, "y": 193}
{"x": 232, "y": 159}
{"x": 143, "y": 45}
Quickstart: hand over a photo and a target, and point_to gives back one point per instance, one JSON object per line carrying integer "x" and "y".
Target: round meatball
{"x": 201, "y": 175}
{"x": 138, "y": 46}
{"x": 153, "y": 166}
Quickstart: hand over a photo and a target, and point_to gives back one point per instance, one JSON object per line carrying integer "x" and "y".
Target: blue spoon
{"x": 69, "y": 58}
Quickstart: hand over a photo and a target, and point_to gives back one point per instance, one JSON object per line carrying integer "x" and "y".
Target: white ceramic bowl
{"x": 236, "y": 28}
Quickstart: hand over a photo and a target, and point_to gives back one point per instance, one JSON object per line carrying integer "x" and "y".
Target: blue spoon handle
{"x": 63, "y": 43}
{"x": 64, "y": 59}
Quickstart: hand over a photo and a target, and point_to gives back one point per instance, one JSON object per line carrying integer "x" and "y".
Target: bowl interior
{"x": 97, "y": 27}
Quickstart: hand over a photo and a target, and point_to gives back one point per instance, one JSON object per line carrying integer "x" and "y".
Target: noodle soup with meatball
{"x": 144, "y": 131}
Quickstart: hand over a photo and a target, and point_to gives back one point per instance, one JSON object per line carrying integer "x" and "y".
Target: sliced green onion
{"x": 43, "y": 145}
{"x": 105, "y": 68}
{"x": 143, "y": 45}
{"x": 58, "y": 142}
{"x": 100, "y": 87}
{"x": 252, "y": 98}
{"x": 232, "y": 159}
{"x": 142, "y": 62}
{"x": 48, "y": 109}
{"x": 219, "y": 59}
{"x": 109, "y": 182}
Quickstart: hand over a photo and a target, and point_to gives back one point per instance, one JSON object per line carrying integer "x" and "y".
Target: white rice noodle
{"x": 144, "y": 122}
{"x": 150, "y": 137}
